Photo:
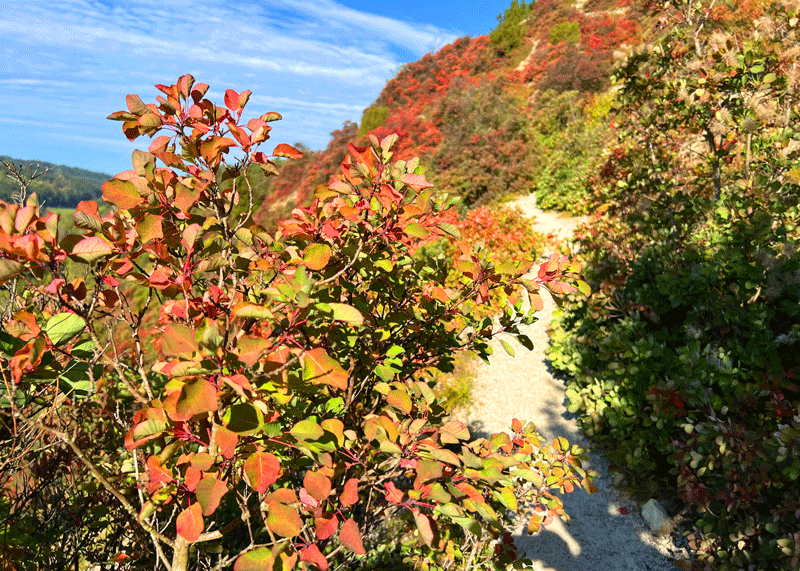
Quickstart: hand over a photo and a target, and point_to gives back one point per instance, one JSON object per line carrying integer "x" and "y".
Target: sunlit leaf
{"x": 350, "y": 536}
{"x": 283, "y": 520}
{"x": 91, "y": 249}
{"x": 320, "y": 369}
{"x": 121, "y": 193}
{"x": 209, "y": 493}
{"x": 64, "y": 326}
{"x": 261, "y": 470}
{"x": 189, "y": 523}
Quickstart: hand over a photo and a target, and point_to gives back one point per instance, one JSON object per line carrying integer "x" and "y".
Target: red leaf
{"x": 350, "y": 536}
{"x": 312, "y": 554}
{"x": 288, "y": 151}
{"x": 393, "y": 495}
{"x": 91, "y": 249}
{"x": 416, "y": 181}
{"x": 190, "y": 523}
{"x": 326, "y": 527}
{"x": 231, "y": 99}
{"x": 159, "y": 476}
{"x": 623, "y": 510}
{"x": 350, "y": 493}
{"x": 318, "y": 485}
{"x": 261, "y": 470}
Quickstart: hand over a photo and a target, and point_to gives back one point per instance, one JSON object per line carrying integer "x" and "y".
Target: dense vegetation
{"x": 57, "y": 186}
{"x": 683, "y": 362}
{"x": 673, "y": 125}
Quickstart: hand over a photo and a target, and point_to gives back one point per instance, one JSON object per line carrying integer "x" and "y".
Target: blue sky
{"x": 66, "y": 64}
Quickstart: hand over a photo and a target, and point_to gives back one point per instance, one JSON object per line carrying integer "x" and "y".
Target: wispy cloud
{"x": 76, "y": 59}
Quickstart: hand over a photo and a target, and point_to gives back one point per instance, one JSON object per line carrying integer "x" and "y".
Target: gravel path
{"x": 601, "y": 536}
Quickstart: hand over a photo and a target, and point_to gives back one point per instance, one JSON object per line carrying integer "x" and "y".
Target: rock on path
{"x": 600, "y": 537}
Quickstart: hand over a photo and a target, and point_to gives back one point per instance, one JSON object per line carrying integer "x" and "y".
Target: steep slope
{"x": 516, "y": 111}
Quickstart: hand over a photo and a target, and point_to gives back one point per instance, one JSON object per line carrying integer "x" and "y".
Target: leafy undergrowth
{"x": 683, "y": 362}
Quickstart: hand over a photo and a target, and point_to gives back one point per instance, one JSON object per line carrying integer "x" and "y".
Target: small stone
{"x": 656, "y": 517}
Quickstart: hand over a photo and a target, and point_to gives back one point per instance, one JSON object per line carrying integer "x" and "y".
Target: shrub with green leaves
{"x": 512, "y": 27}
{"x": 280, "y": 414}
{"x": 683, "y": 362}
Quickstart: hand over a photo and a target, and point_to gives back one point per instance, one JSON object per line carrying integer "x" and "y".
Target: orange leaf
{"x": 320, "y": 369}
{"x": 350, "y": 536}
{"x": 350, "y": 493}
{"x": 190, "y": 522}
{"x": 288, "y": 151}
{"x": 317, "y": 485}
{"x": 284, "y": 520}
{"x": 261, "y": 470}
{"x": 121, "y": 193}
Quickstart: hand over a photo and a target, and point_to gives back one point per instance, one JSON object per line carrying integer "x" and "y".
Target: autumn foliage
{"x": 278, "y": 413}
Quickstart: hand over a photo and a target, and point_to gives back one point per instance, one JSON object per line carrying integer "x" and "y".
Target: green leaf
{"x": 74, "y": 381}
{"x": 64, "y": 326}
{"x": 243, "y": 418}
{"x": 307, "y": 429}
{"x": 584, "y": 288}
{"x": 346, "y": 313}
{"x": 259, "y": 559}
{"x": 415, "y": 230}
{"x": 450, "y": 229}
{"x": 508, "y": 348}
{"x": 251, "y": 310}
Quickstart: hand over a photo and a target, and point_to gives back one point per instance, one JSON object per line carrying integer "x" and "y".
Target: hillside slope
{"x": 58, "y": 186}
{"x": 520, "y": 110}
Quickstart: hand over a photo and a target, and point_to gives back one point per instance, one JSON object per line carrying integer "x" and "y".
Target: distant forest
{"x": 60, "y": 187}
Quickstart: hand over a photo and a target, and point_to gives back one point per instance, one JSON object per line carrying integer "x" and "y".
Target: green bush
{"x": 512, "y": 27}
{"x": 372, "y": 118}
{"x": 565, "y": 32}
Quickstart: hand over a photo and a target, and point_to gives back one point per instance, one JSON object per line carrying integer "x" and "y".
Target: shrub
{"x": 512, "y": 28}
{"x": 372, "y": 118}
{"x": 565, "y": 32}
{"x": 279, "y": 414}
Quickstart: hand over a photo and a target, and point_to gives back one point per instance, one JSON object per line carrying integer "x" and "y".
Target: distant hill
{"x": 60, "y": 187}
